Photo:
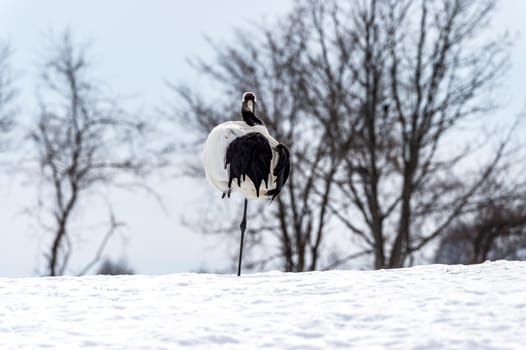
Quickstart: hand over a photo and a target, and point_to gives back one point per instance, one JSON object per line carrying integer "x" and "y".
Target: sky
{"x": 136, "y": 47}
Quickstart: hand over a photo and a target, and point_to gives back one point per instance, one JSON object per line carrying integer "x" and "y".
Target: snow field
{"x": 426, "y": 307}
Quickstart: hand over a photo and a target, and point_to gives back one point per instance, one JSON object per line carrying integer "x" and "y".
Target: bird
{"x": 241, "y": 156}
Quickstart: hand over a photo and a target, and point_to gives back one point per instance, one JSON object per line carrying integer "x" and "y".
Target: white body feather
{"x": 215, "y": 152}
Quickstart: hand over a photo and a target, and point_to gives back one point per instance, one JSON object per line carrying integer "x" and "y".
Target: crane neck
{"x": 250, "y": 118}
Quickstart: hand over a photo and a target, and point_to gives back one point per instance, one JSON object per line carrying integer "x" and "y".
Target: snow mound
{"x": 427, "y": 307}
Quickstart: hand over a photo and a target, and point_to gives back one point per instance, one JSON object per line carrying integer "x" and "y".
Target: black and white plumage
{"x": 242, "y": 156}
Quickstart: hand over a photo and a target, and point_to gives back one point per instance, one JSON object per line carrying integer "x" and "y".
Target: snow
{"x": 425, "y": 307}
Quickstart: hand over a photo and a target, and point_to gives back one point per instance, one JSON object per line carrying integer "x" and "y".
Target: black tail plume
{"x": 281, "y": 171}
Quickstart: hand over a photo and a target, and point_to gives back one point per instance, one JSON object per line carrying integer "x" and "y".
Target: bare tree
{"x": 268, "y": 61}
{"x": 110, "y": 267}
{"x": 417, "y": 72}
{"x": 85, "y": 142}
{"x": 372, "y": 97}
{"x": 494, "y": 229}
{"x": 7, "y": 93}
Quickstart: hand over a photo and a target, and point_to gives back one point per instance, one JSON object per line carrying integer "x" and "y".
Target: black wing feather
{"x": 249, "y": 155}
{"x": 281, "y": 171}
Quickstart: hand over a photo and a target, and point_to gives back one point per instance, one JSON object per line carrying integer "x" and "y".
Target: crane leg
{"x": 242, "y": 226}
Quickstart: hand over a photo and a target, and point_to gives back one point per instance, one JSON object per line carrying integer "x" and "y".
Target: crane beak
{"x": 250, "y": 106}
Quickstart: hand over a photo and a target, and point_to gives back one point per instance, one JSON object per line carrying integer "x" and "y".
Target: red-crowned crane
{"x": 241, "y": 156}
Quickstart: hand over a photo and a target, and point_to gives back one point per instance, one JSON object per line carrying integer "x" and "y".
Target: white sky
{"x": 136, "y": 45}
